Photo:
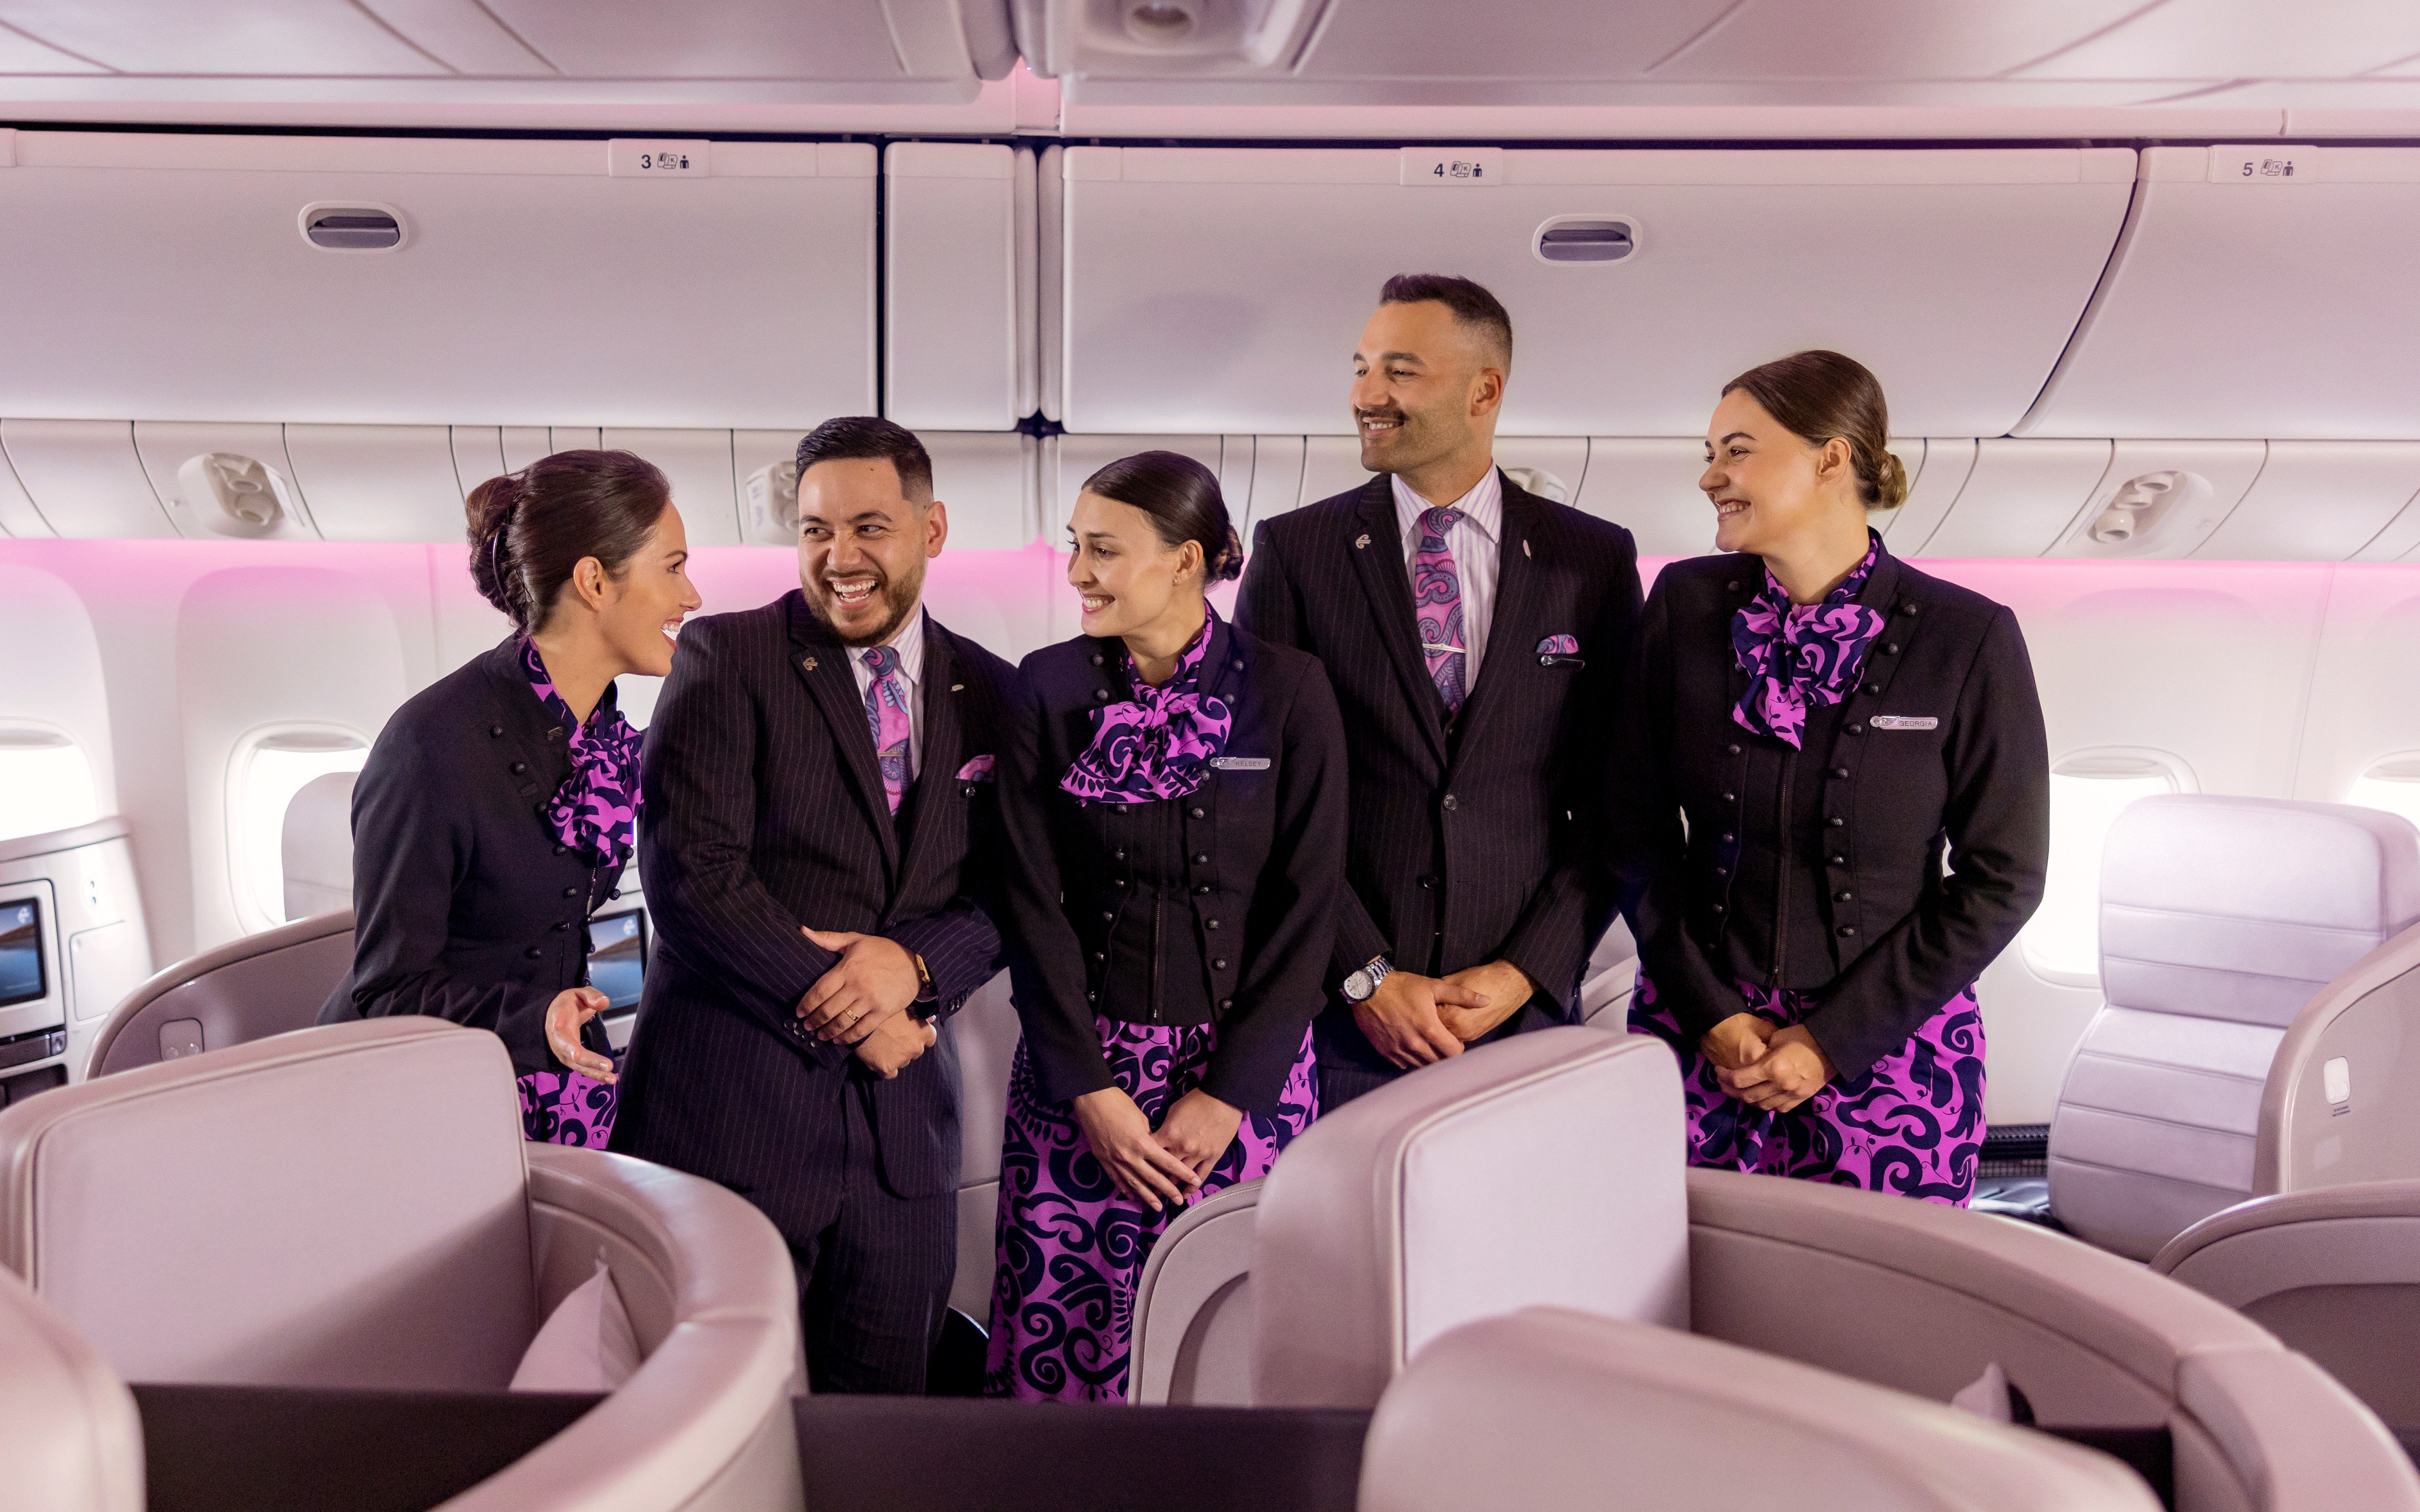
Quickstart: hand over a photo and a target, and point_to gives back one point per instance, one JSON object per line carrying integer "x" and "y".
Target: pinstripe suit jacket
{"x": 765, "y": 812}
{"x": 1477, "y": 841}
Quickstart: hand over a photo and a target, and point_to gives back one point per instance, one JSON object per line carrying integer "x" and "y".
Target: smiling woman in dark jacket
{"x": 496, "y": 810}
{"x": 1832, "y": 723}
{"x": 1173, "y": 792}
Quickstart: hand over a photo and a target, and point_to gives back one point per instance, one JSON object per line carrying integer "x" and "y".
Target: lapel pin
{"x": 957, "y": 687}
{"x": 809, "y": 664}
{"x": 1360, "y": 542}
{"x": 1525, "y": 548}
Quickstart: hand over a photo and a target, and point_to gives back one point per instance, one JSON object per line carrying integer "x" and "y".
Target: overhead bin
{"x": 2018, "y": 499}
{"x": 84, "y": 475}
{"x": 2326, "y": 501}
{"x": 698, "y": 465}
{"x": 2247, "y": 300}
{"x": 532, "y": 283}
{"x": 1648, "y": 486}
{"x": 1221, "y": 290}
{"x": 224, "y": 482}
{"x": 988, "y": 480}
{"x": 380, "y": 483}
{"x": 958, "y": 284}
{"x": 2162, "y": 498}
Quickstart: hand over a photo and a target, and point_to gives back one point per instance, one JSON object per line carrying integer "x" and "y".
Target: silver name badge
{"x": 1240, "y": 763}
{"x": 1904, "y": 721}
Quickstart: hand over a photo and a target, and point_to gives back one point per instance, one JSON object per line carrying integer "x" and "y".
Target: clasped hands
{"x": 1766, "y": 1065}
{"x": 862, "y": 1001}
{"x": 1417, "y": 1021}
{"x": 1166, "y": 1164}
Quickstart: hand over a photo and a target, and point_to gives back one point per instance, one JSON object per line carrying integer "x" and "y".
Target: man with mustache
{"x": 1475, "y": 635}
{"x": 819, "y": 806}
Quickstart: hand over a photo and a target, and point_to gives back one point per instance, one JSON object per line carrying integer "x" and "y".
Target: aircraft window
{"x": 45, "y": 782}
{"x": 270, "y": 768}
{"x": 2392, "y": 784}
{"x": 2062, "y": 941}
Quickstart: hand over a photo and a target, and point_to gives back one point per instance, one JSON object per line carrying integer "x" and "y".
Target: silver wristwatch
{"x": 1362, "y": 984}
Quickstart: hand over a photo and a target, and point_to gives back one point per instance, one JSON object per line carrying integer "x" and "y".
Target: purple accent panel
{"x": 563, "y": 1107}
{"x": 1159, "y": 743}
{"x": 1912, "y": 1124}
{"x": 1436, "y": 607}
{"x": 1072, "y": 1249}
{"x": 1800, "y": 654}
{"x": 595, "y": 812}
{"x": 887, "y": 721}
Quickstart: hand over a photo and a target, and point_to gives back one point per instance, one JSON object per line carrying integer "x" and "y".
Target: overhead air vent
{"x": 352, "y": 227}
{"x": 769, "y": 515}
{"x": 1257, "y": 34}
{"x": 1586, "y": 238}
{"x": 234, "y": 495}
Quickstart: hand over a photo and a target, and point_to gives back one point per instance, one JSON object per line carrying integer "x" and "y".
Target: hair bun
{"x": 1890, "y": 482}
{"x": 1230, "y": 564}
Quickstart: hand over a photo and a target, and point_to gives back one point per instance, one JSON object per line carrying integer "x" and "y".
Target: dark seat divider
{"x": 934, "y": 1454}
{"x": 305, "y": 1449}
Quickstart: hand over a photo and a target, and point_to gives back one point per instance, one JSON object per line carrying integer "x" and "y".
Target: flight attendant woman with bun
{"x": 1832, "y": 724}
{"x": 496, "y": 811}
{"x": 1173, "y": 792}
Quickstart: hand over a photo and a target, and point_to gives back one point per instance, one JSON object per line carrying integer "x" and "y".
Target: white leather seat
{"x": 247, "y": 988}
{"x": 316, "y": 846}
{"x": 2334, "y": 1273}
{"x": 1191, "y": 1338}
{"x": 70, "y": 1439}
{"x": 985, "y": 1032}
{"x": 2220, "y": 921}
{"x": 354, "y": 1207}
{"x": 1554, "y": 1411}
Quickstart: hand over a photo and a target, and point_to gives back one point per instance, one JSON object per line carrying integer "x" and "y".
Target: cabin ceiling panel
{"x": 235, "y": 36}
{"x": 2271, "y": 305}
{"x": 1221, "y": 290}
{"x": 2232, "y": 39}
{"x": 1885, "y": 38}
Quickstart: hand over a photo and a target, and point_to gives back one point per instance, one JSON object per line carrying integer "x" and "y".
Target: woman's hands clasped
{"x": 566, "y": 1017}
{"x": 1156, "y": 1166}
{"x": 1766, "y": 1065}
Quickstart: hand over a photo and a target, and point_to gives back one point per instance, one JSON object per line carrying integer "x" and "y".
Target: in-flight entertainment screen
{"x": 21, "y": 951}
{"x": 617, "y": 956}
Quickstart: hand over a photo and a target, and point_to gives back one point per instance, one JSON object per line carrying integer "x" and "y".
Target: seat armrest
{"x": 2369, "y": 1019}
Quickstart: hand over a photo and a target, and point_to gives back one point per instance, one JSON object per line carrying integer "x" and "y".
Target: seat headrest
{"x": 70, "y": 1433}
{"x": 1546, "y": 1168}
{"x": 1550, "y": 1410}
{"x": 2243, "y": 908}
{"x": 343, "y": 1206}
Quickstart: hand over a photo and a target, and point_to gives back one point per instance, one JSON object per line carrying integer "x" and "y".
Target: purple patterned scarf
{"x": 1159, "y": 743}
{"x": 1798, "y": 654}
{"x": 597, "y": 810}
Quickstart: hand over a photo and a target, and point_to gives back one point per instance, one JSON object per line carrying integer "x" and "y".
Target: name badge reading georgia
{"x": 1240, "y": 763}
{"x": 1904, "y": 721}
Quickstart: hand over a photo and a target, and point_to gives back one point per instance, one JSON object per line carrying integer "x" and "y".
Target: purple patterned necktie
{"x": 886, "y": 716}
{"x": 1436, "y": 606}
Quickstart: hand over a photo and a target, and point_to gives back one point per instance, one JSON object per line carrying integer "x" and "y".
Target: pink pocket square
{"x": 978, "y": 770}
{"x": 1559, "y": 645}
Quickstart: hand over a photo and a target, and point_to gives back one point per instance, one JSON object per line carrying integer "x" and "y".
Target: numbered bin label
{"x": 631, "y": 158}
{"x": 1463, "y": 167}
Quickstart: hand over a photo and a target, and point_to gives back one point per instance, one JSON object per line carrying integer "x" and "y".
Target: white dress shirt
{"x": 909, "y": 640}
{"x": 1474, "y": 540}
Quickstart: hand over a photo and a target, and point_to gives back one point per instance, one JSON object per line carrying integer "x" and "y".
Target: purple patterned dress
{"x": 596, "y": 813}
{"x": 1910, "y": 1123}
{"x": 1071, "y": 1248}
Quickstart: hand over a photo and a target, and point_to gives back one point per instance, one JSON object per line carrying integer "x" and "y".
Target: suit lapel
{"x": 1377, "y": 555}
{"x": 822, "y": 663}
{"x": 939, "y": 760}
{"x": 1510, "y": 639}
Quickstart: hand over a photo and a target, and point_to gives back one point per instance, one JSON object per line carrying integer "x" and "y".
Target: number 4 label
{"x": 1471, "y": 166}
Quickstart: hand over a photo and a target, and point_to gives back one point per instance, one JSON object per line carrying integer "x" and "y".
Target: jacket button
{"x": 1100, "y": 955}
{"x": 494, "y": 730}
{"x": 968, "y": 791}
{"x": 1203, "y": 890}
{"x": 1718, "y": 908}
{"x": 1728, "y": 839}
{"x": 519, "y": 767}
{"x": 1202, "y": 859}
{"x": 533, "y": 952}
{"x": 1835, "y": 822}
{"x": 571, "y": 892}
{"x": 559, "y": 849}
{"x": 1119, "y": 883}
{"x": 1842, "y": 896}
{"x": 562, "y": 924}
{"x": 539, "y": 808}
{"x": 1847, "y": 931}
{"x": 1908, "y": 610}
{"x": 1107, "y": 914}
{"x": 1731, "y": 798}
{"x": 1092, "y": 998}
{"x": 1097, "y": 658}
{"x": 1209, "y": 923}
{"x": 1117, "y": 856}
{"x": 1220, "y": 965}
{"x": 1722, "y": 870}
{"x": 1449, "y": 801}
{"x": 1856, "y": 729}
{"x": 1225, "y": 1004}
{"x": 1198, "y": 813}
{"x": 1873, "y": 687}
{"x": 1839, "y": 860}
{"x": 1733, "y": 586}
{"x": 1840, "y": 771}
{"x": 1100, "y": 695}
{"x": 1731, "y": 750}
{"x": 1890, "y": 648}
{"x": 1236, "y": 665}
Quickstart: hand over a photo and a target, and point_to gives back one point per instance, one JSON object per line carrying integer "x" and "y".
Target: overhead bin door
{"x": 2258, "y": 302}
{"x": 958, "y": 286}
{"x": 1221, "y": 290}
{"x": 519, "y": 283}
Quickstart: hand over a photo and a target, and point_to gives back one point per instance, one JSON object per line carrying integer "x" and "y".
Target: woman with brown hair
{"x": 497, "y": 809}
{"x": 1857, "y": 751}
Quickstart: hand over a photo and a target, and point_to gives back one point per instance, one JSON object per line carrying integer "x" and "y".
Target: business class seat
{"x": 245, "y": 989}
{"x": 69, "y": 1436}
{"x": 2334, "y": 1273}
{"x": 1482, "y": 1187}
{"x": 353, "y": 1208}
{"x": 1557, "y": 1411}
{"x": 2245, "y": 944}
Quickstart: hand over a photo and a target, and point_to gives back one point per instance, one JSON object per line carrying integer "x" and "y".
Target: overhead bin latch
{"x": 352, "y": 227}
{"x": 1586, "y": 239}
